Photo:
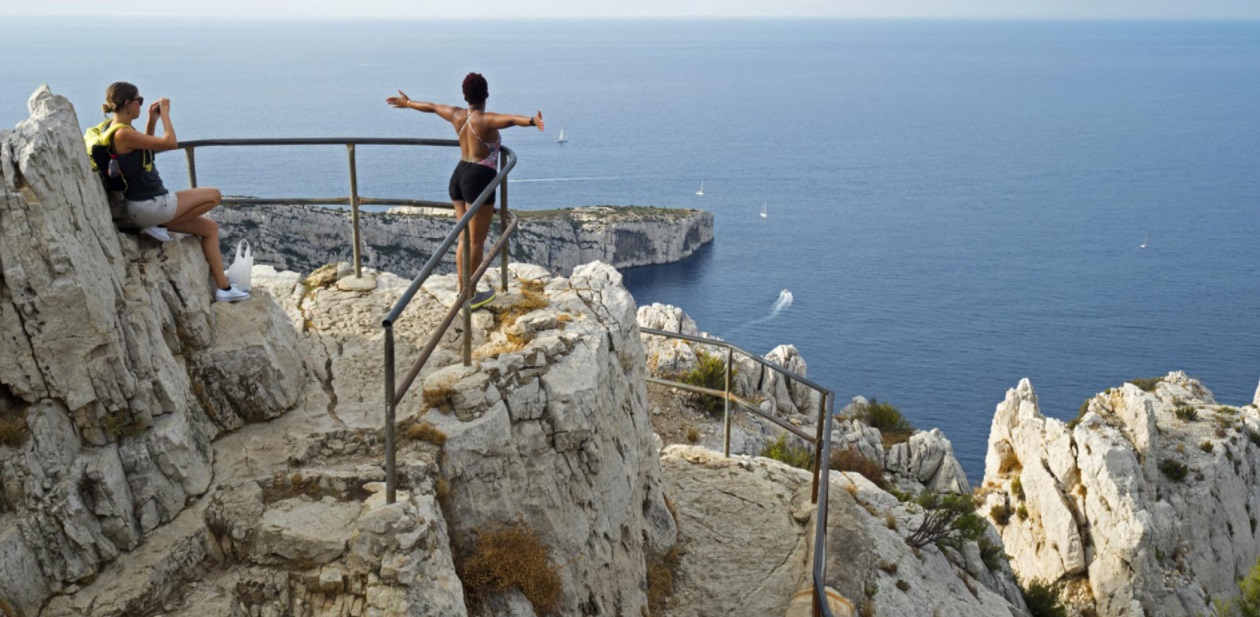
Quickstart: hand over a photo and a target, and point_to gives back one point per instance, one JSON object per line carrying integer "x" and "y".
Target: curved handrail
{"x": 508, "y": 225}
{"x": 822, "y": 443}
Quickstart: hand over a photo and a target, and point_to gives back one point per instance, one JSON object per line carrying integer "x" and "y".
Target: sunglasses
{"x": 139, "y": 99}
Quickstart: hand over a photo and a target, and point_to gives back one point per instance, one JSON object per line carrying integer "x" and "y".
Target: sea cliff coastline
{"x": 303, "y": 238}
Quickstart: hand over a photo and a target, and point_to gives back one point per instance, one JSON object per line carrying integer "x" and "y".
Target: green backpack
{"x": 100, "y": 148}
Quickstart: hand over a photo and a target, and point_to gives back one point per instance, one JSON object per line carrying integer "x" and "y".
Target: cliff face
{"x": 402, "y": 239}
{"x": 107, "y": 348}
{"x": 1147, "y": 505}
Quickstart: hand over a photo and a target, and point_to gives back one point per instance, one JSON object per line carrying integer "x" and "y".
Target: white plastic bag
{"x": 239, "y": 272}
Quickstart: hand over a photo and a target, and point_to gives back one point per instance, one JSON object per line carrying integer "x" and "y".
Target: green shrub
{"x": 991, "y": 554}
{"x": 948, "y": 518}
{"x": 1173, "y": 470}
{"x": 1186, "y": 413}
{"x": 1001, "y": 514}
{"x": 789, "y": 452}
{"x": 1146, "y": 385}
{"x": 710, "y": 372}
{"x": 1017, "y": 488}
{"x": 1253, "y": 436}
{"x": 1022, "y": 512}
{"x": 893, "y": 427}
{"x": 1206, "y": 447}
{"x": 1043, "y": 599}
{"x": 1247, "y": 604}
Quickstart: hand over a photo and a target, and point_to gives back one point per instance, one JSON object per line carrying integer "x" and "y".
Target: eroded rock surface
{"x": 105, "y": 345}
{"x": 745, "y": 529}
{"x": 1146, "y": 505}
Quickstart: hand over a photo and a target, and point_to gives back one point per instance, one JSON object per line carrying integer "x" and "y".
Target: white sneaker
{"x": 231, "y": 294}
{"x": 157, "y": 232}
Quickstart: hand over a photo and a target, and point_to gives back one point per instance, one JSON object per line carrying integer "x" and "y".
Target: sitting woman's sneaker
{"x": 231, "y": 294}
{"x": 158, "y": 233}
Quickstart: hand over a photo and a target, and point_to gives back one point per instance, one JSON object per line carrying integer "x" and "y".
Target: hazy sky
{"x": 1019, "y": 9}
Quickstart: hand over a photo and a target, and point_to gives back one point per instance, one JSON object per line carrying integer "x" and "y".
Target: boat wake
{"x": 780, "y": 305}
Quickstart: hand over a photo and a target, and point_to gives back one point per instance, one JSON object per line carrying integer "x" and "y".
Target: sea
{"x": 952, "y": 206}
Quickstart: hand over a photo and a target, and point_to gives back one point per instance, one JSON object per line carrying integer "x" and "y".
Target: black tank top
{"x": 143, "y": 181}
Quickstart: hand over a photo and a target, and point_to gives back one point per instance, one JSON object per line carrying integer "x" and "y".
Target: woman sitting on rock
{"x": 149, "y": 205}
{"x": 479, "y": 143}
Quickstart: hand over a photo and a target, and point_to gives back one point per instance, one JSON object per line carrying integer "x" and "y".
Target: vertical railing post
{"x": 465, "y": 274}
{"x": 503, "y": 223}
{"x": 390, "y": 484}
{"x": 726, "y": 411}
{"x": 192, "y": 167}
{"x": 819, "y": 464}
{"x": 354, "y": 212}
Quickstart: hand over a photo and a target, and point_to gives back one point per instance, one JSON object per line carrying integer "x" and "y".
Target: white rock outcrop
{"x": 667, "y": 358}
{"x": 745, "y": 541}
{"x": 1146, "y": 505}
{"x": 107, "y": 343}
{"x": 401, "y": 239}
{"x": 557, "y": 434}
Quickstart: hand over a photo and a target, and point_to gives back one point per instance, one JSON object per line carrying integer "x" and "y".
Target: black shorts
{"x": 469, "y": 180}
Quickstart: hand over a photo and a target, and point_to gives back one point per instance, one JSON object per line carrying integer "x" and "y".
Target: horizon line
{"x": 952, "y": 18}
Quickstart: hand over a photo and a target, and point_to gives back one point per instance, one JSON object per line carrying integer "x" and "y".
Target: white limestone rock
{"x": 1100, "y": 506}
{"x": 766, "y": 505}
{"x": 400, "y": 239}
{"x": 579, "y": 466}
{"x": 925, "y": 461}
{"x": 668, "y": 358}
{"x": 99, "y": 336}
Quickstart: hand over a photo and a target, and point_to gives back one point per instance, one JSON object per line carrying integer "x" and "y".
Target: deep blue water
{"x": 953, "y": 205}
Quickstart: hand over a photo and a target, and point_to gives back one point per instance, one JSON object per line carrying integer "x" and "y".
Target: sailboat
{"x": 701, "y": 191}
{"x": 561, "y": 139}
{"x": 1143, "y": 240}
{"x": 763, "y": 210}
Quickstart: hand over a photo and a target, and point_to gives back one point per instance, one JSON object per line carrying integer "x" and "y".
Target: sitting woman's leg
{"x": 208, "y": 230}
{"x": 193, "y": 203}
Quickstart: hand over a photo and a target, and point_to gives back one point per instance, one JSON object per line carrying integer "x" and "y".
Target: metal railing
{"x": 821, "y": 441}
{"x": 354, "y": 200}
{"x": 394, "y": 393}
{"x": 468, "y": 280}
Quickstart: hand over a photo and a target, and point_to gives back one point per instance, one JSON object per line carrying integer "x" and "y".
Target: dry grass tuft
{"x": 532, "y": 299}
{"x": 440, "y": 398}
{"x": 508, "y": 557}
{"x": 852, "y": 459}
{"x": 120, "y": 424}
{"x": 693, "y": 435}
{"x": 498, "y": 349}
{"x": 13, "y": 429}
{"x": 660, "y": 580}
{"x": 284, "y": 487}
{"x": 423, "y": 431}
{"x": 1009, "y": 463}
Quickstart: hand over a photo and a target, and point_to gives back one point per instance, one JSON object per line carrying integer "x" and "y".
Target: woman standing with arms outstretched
{"x": 479, "y": 143}
{"x": 149, "y": 205}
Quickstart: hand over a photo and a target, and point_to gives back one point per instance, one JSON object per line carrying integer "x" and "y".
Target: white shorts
{"x": 157, "y": 211}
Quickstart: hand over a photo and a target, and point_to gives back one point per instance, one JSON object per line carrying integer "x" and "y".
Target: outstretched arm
{"x": 402, "y": 101}
{"x": 502, "y": 121}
